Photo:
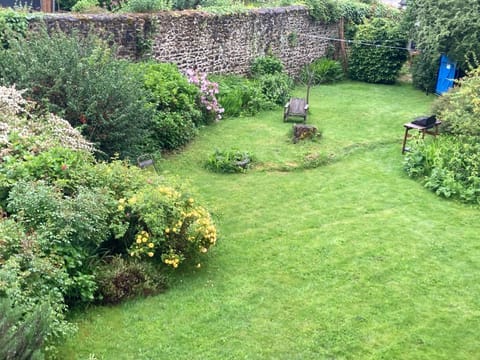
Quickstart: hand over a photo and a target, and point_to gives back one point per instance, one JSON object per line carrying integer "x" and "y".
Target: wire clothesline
{"x": 361, "y": 42}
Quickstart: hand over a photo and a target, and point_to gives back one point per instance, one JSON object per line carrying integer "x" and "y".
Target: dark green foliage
{"x": 171, "y": 130}
{"x": 276, "y": 87}
{"x": 266, "y": 65}
{"x": 119, "y": 279}
{"x": 87, "y": 6}
{"x": 71, "y": 228}
{"x": 21, "y": 337}
{"x": 66, "y": 4}
{"x": 62, "y": 212}
{"x": 32, "y": 280}
{"x": 146, "y": 6}
{"x": 80, "y": 79}
{"x": 273, "y": 83}
{"x": 354, "y": 12}
{"x": 325, "y": 11}
{"x": 58, "y": 166}
{"x": 13, "y": 25}
{"x": 424, "y": 72}
{"x": 229, "y": 161}
{"x": 377, "y": 64}
{"x": 459, "y": 108}
{"x": 174, "y": 100}
{"x": 240, "y": 96}
{"x": 450, "y": 166}
{"x": 443, "y": 26}
{"x": 322, "y": 71}
{"x": 168, "y": 89}
{"x": 187, "y": 4}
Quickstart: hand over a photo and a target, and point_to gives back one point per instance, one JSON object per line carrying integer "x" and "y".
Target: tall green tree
{"x": 438, "y": 27}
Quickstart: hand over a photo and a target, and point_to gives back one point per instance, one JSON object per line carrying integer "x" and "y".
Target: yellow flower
{"x": 203, "y": 249}
{"x": 150, "y": 245}
{"x": 132, "y": 200}
{"x": 121, "y": 201}
{"x": 150, "y": 254}
{"x": 139, "y": 240}
{"x": 121, "y": 207}
{"x": 144, "y": 239}
{"x": 199, "y": 265}
{"x": 167, "y": 230}
{"x": 191, "y": 201}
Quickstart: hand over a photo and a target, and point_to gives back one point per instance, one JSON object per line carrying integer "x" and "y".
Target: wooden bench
{"x": 296, "y": 107}
{"x": 430, "y": 128}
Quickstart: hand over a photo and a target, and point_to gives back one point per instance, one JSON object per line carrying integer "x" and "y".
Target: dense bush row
{"x": 74, "y": 230}
{"x": 378, "y": 52}
{"x": 450, "y": 166}
{"x": 120, "y": 106}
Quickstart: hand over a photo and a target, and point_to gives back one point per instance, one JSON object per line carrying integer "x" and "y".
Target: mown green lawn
{"x": 350, "y": 260}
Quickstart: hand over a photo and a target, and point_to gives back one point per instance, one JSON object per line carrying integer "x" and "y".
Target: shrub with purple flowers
{"x": 212, "y": 109}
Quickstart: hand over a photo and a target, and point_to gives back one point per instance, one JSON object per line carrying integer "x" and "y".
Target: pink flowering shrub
{"x": 208, "y": 90}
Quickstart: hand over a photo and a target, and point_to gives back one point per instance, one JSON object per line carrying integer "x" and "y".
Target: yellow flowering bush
{"x": 167, "y": 226}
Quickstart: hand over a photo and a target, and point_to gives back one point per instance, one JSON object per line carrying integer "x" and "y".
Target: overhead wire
{"x": 360, "y": 42}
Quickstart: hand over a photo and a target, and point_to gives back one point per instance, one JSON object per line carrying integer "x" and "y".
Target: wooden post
{"x": 343, "y": 46}
{"x": 46, "y": 6}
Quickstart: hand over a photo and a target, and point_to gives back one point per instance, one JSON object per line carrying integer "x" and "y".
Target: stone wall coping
{"x": 73, "y": 17}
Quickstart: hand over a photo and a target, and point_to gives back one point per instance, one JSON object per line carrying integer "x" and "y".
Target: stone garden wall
{"x": 212, "y": 43}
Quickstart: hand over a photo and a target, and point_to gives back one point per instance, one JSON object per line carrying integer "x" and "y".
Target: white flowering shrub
{"x": 19, "y": 124}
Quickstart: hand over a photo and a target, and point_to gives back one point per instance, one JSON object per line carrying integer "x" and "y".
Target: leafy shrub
{"x": 66, "y": 5}
{"x": 325, "y": 11}
{"x": 224, "y": 6}
{"x": 377, "y": 64}
{"x": 166, "y": 225}
{"x": 85, "y": 84}
{"x": 168, "y": 89}
{"x": 424, "y": 72}
{"x": 21, "y": 337}
{"x": 71, "y": 228}
{"x": 176, "y": 103}
{"x": 266, "y": 65}
{"x": 450, "y": 166}
{"x": 231, "y": 161}
{"x": 13, "y": 25}
{"x": 87, "y": 6}
{"x": 119, "y": 279}
{"x": 146, "y": 6}
{"x": 33, "y": 282}
{"x": 276, "y": 87}
{"x": 187, "y": 4}
{"x": 62, "y": 211}
{"x": 64, "y": 168}
{"x": 171, "y": 130}
{"x": 37, "y": 146}
{"x": 240, "y": 96}
{"x": 354, "y": 11}
{"x": 322, "y": 71}
{"x": 459, "y": 108}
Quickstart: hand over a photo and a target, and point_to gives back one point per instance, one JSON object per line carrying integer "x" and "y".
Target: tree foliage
{"x": 451, "y": 27}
